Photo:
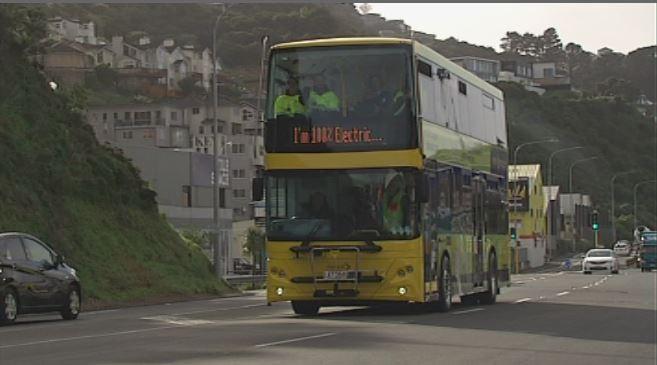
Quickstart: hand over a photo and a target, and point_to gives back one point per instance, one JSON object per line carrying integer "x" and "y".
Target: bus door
{"x": 478, "y": 223}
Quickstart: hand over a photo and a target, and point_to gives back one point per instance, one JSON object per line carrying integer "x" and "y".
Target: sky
{"x": 621, "y": 27}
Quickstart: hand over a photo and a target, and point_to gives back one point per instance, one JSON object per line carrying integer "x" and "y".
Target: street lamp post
{"x": 570, "y": 174}
{"x": 218, "y": 269}
{"x": 515, "y": 205}
{"x": 570, "y": 190}
{"x": 549, "y": 181}
{"x": 636, "y": 186}
{"x": 613, "y": 203}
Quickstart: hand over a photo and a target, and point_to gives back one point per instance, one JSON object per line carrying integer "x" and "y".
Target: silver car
{"x": 600, "y": 259}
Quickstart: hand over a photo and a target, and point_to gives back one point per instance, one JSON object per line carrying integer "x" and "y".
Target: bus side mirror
{"x": 258, "y": 187}
{"x": 422, "y": 187}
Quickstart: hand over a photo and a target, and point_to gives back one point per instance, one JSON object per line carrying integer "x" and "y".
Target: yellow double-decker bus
{"x": 385, "y": 176}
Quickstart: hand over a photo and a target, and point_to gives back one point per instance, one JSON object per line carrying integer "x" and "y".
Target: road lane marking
{"x": 523, "y": 300}
{"x": 219, "y": 309}
{"x": 295, "y": 340}
{"x": 87, "y": 337}
{"x": 563, "y": 293}
{"x": 468, "y": 311}
{"x": 179, "y": 321}
{"x": 586, "y": 287}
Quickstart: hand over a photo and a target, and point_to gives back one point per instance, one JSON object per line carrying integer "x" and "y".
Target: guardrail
{"x": 245, "y": 279}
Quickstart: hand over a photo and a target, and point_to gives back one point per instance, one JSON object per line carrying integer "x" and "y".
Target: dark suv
{"x": 34, "y": 279}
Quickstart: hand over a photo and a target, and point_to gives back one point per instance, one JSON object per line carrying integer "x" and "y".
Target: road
{"x": 546, "y": 318}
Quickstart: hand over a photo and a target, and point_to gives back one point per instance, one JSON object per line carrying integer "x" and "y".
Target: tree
{"x": 23, "y": 27}
{"x": 255, "y": 245}
{"x": 188, "y": 86}
{"x": 552, "y": 48}
{"x": 512, "y": 43}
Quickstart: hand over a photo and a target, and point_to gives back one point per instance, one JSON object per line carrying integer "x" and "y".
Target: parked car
{"x": 622, "y": 248}
{"x": 35, "y": 279}
{"x": 600, "y": 259}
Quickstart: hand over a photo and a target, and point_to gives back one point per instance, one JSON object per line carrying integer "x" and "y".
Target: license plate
{"x": 338, "y": 275}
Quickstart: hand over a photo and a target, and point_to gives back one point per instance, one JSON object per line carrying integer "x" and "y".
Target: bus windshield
{"x": 350, "y": 98}
{"x": 377, "y": 204}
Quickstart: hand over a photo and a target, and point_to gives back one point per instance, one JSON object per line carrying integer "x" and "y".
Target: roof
{"x": 328, "y": 42}
{"x": 420, "y": 48}
{"x": 531, "y": 171}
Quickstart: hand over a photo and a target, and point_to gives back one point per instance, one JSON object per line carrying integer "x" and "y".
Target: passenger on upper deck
{"x": 322, "y": 98}
{"x": 291, "y": 102}
{"x": 377, "y": 98}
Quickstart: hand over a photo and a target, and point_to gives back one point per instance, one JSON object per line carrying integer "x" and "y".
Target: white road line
{"x": 218, "y": 309}
{"x": 294, "y": 340}
{"x": 103, "y": 311}
{"x": 468, "y": 311}
{"x": 586, "y": 287}
{"x": 523, "y": 300}
{"x": 87, "y": 337}
{"x": 563, "y": 293}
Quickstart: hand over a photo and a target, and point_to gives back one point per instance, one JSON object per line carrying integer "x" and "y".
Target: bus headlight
{"x": 402, "y": 290}
{"x": 279, "y": 291}
{"x": 409, "y": 269}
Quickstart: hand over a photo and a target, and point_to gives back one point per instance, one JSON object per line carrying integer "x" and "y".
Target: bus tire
{"x": 490, "y": 296}
{"x": 305, "y": 308}
{"x": 445, "y": 286}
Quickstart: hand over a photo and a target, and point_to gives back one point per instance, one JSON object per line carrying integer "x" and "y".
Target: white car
{"x": 600, "y": 259}
{"x": 622, "y": 248}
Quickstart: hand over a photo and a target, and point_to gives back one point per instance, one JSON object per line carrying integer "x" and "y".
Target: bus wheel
{"x": 305, "y": 308}
{"x": 445, "y": 286}
{"x": 490, "y": 296}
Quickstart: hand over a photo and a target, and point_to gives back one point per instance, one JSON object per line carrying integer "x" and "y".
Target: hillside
{"x": 621, "y": 137}
{"x": 84, "y": 199}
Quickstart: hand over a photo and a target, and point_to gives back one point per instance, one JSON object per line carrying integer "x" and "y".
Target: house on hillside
{"x": 535, "y": 76}
{"x": 68, "y": 62}
{"x": 60, "y": 28}
{"x": 485, "y": 69}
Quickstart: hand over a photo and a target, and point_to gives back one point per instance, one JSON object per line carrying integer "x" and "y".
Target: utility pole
{"x": 570, "y": 190}
{"x": 216, "y": 245}
{"x": 634, "y": 190}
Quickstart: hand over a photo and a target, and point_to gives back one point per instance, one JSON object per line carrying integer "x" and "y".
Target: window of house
{"x": 104, "y": 116}
{"x": 246, "y": 115}
{"x": 239, "y": 193}
{"x": 196, "y": 111}
{"x": 201, "y": 129}
{"x": 127, "y": 116}
{"x": 222, "y": 198}
{"x": 237, "y": 128}
{"x": 463, "y": 88}
{"x": 238, "y": 148}
{"x": 548, "y": 73}
{"x": 174, "y": 115}
{"x": 239, "y": 173}
{"x": 99, "y": 57}
{"x": 116, "y": 116}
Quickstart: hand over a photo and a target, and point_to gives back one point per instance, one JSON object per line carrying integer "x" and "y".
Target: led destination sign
{"x": 337, "y": 135}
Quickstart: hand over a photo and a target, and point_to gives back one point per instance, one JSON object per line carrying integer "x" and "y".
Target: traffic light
{"x": 514, "y": 236}
{"x": 594, "y": 221}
